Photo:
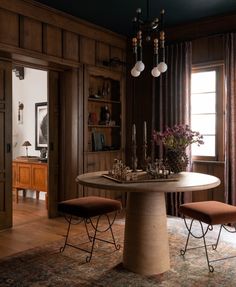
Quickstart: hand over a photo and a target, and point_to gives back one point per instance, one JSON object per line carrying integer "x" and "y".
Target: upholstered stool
{"x": 211, "y": 213}
{"x": 83, "y": 210}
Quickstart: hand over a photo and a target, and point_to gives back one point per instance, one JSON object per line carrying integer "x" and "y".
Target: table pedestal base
{"x": 146, "y": 245}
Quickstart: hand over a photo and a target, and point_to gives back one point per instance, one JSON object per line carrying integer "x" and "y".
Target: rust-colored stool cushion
{"x": 89, "y": 206}
{"x": 210, "y": 212}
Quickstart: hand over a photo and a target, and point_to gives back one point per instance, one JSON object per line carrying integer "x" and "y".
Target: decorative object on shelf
{"x": 98, "y": 141}
{"x": 20, "y": 113}
{"x": 26, "y": 144}
{"x": 93, "y": 95}
{"x": 149, "y": 28}
{"x": 43, "y": 153}
{"x": 105, "y": 90}
{"x": 41, "y": 125}
{"x": 134, "y": 148}
{"x": 105, "y": 116}
{"x": 175, "y": 141}
{"x": 92, "y": 119}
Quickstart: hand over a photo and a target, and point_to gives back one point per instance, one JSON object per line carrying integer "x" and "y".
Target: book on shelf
{"x": 98, "y": 141}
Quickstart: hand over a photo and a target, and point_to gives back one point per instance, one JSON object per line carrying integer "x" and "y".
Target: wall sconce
{"x": 19, "y": 72}
{"x": 26, "y": 144}
{"x": 20, "y": 113}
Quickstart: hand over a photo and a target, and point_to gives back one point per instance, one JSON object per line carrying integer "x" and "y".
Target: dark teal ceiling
{"x": 117, "y": 15}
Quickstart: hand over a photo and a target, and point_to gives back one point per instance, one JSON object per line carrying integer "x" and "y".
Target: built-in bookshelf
{"x": 103, "y": 120}
{"x": 104, "y": 114}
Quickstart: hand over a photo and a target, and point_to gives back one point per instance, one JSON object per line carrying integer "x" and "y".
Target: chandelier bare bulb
{"x": 162, "y": 67}
{"x": 134, "y": 72}
{"x": 155, "y": 72}
{"x": 146, "y": 29}
{"x": 139, "y": 66}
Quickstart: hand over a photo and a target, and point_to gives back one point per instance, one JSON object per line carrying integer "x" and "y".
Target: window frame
{"x": 220, "y": 109}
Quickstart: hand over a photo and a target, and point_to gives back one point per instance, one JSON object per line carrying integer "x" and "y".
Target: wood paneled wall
{"x": 34, "y": 35}
{"x": 208, "y": 49}
{"x": 212, "y": 168}
{"x": 27, "y": 28}
{"x": 213, "y": 25}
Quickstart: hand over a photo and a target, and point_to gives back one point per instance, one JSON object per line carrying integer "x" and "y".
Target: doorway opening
{"x": 29, "y": 144}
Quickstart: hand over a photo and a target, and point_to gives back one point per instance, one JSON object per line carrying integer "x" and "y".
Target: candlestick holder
{"x": 144, "y": 150}
{"x": 144, "y": 157}
{"x": 134, "y": 163}
{"x": 134, "y": 159}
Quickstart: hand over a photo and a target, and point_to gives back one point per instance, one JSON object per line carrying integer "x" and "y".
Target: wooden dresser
{"x": 28, "y": 174}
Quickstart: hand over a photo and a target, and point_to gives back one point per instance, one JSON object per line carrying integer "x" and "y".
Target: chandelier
{"x": 151, "y": 30}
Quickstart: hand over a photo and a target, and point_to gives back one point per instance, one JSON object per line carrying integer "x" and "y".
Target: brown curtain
{"x": 230, "y": 132}
{"x": 172, "y": 101}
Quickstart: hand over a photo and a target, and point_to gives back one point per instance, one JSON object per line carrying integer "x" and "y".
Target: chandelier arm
{"x": 162, "y": 44}
{"x": 162, "y": 35}
{"x": 155, "y": 41}
{"x": 148, "y": 29}
{"x": 162, "y": 20}
{"x": 134, "y": 42}
{"x": 139, "y": 46}
{"x": 148, "y": 9}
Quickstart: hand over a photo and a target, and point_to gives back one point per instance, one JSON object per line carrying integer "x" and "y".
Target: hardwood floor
{"x": 32, "y": 228}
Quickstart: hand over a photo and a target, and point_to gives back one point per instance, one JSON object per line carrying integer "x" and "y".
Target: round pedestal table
{"x": 146, "y": 246}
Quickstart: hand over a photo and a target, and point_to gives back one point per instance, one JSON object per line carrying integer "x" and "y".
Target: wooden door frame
{"x": 53, "y": 143}
{"x": 52, "y": 159}
{"x": 6, "y": 143}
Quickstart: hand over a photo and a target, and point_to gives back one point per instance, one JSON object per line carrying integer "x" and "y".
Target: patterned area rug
{"x": 46, "y": 266}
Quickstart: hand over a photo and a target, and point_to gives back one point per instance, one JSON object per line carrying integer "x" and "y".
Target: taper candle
{"x": 134, "y": 146}
{"x": 144, "y": 132}
{"x": 134, "y": 133}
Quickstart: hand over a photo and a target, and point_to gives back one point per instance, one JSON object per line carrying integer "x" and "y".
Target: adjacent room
{"x": 29, "y": 148}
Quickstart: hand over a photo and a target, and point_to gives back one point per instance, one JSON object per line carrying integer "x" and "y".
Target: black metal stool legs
{"x": 69, "y": 219}
{"x": 67, "y": 233}
{"x": 88, "y": 258}
{"x": 203, "y": 236}
{"x": 92, "y": 238}
{"x": 117, "y": 246}
{"x": 95, "y": 227}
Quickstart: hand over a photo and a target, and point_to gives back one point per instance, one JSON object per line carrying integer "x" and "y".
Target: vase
{"x": 176, "y": 160}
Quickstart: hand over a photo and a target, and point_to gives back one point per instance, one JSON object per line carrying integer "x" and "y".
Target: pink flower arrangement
{"x": 178, "y": 138}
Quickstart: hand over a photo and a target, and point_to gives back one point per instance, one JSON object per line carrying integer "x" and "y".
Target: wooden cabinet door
{"x": 24, "y": 175}
{"x": 14, "y": 174}
{"x": 39, "y": 177}
{"x": 5, "y": 145}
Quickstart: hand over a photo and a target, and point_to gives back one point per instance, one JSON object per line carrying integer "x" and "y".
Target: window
{"x": 207, "y": 111}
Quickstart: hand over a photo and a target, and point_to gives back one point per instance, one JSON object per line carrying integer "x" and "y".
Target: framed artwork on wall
{"x": 41, "y": 125}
